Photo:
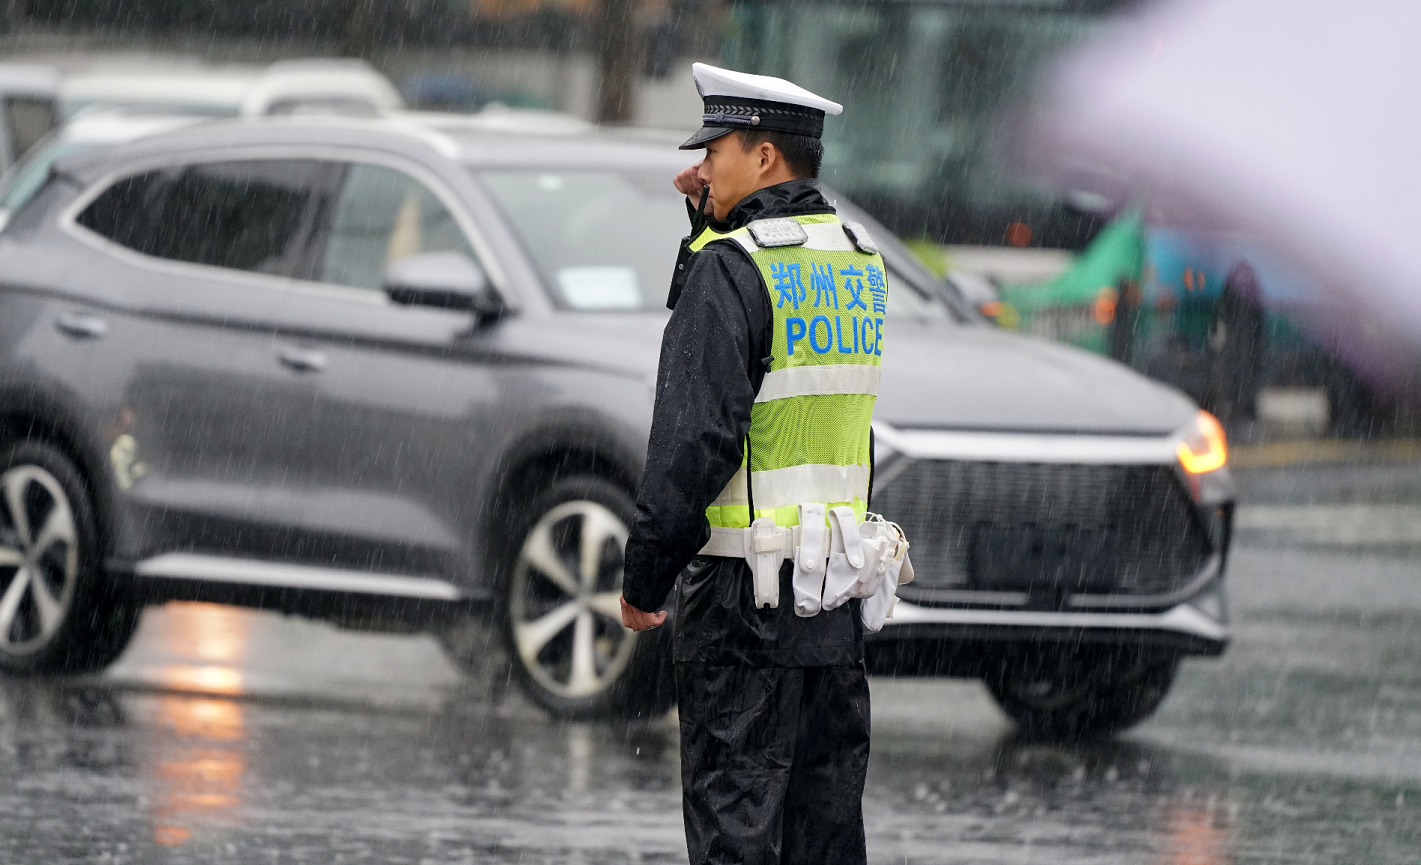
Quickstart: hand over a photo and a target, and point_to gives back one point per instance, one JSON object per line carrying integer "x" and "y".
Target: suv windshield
{"x": 607, "y": 240}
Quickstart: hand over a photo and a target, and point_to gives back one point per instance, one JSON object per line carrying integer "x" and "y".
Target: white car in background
{"x": 36, "y": 98}
{"x": 28, "y": 108}
{"x": 285, "y": 87}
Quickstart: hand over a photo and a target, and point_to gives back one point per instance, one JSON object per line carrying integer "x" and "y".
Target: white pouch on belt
{"x": 766, "y": 546}
{"x": 850, "y": 558}
{"x": 878, "y": 608}
{"x": 879, "y": 547}
{"x": 894, "y": 569}
{"x": 810, "y": 561}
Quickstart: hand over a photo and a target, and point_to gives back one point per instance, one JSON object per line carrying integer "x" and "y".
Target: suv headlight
{"x": 1202, "y": 446}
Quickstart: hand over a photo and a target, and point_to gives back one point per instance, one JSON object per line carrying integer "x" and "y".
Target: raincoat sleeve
{"x": 711, "y": 359}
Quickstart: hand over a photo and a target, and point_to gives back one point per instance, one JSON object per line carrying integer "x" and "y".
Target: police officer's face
{"x": 733, "y": 172}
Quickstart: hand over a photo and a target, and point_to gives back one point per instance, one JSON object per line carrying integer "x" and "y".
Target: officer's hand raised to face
{"x": 638, "y": 620}
{"x": 689, "y": 182}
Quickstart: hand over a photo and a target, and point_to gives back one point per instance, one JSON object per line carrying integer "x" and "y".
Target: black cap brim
{"x": 703, "y": 135}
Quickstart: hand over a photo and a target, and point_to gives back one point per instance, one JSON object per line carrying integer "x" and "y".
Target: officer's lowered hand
{"x": 638, "y": 620}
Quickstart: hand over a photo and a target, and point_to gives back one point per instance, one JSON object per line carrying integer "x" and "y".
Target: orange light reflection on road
{"x": 198, "y": 718}
{"x": 1196, "y": 836}
{"x": 210, "y": 633}
{"x": 201, "y": 759}
{"x": 213, "y": 680}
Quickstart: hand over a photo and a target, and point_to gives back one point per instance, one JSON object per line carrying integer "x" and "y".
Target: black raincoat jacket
{"x": 714, "y": 355}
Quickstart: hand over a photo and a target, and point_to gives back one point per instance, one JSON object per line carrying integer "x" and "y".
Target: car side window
{"x": 381, "y": 216}
{"x": 250, "y": 215}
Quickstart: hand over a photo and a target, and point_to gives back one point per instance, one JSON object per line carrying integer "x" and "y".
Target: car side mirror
{"x": 447, "y": 280}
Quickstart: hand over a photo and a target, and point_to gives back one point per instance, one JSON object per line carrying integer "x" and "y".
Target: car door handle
{"x": 302, "y": 359}
{"x": 81, "y": 325}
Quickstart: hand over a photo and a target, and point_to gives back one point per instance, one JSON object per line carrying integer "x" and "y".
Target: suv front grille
{"x": 1046, "y": 530}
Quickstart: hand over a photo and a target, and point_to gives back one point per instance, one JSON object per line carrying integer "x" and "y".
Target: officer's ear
{"x": 769, "y": 157}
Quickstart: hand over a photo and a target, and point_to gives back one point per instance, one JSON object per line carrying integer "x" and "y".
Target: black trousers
{"x": 772, "y": 763}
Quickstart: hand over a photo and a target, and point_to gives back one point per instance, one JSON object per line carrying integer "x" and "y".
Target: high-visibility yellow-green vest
{"x": 809, "y": 428}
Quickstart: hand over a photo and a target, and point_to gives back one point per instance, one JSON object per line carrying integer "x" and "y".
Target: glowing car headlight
{"x": 1202, "y": 447}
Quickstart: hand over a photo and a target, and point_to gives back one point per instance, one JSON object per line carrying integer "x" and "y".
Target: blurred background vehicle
{"x": 445, "y": 91}
{"x": 399, "y": 377}
{"x": 28, "y": 108}
{"x": 1292, "y": 237}
{"x": 335, "y": 86}
{"x": 35, "y": 99}
{"x": 1218, "y": 314}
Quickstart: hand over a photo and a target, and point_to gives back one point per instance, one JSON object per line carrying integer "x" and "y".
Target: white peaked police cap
{"x": 738, "y": 100}
{"x": 714, "y": 81}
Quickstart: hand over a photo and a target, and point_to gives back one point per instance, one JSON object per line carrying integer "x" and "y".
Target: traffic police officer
{"x": 759, "y": 457}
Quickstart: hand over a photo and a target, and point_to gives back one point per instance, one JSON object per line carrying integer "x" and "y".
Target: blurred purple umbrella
{"x": 1293, "y": 119}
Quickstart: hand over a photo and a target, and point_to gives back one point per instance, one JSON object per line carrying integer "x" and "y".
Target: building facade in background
{"x": 929, "y": 82}
{"x": 928, "y": 79}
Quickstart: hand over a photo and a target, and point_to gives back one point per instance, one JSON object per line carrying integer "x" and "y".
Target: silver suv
{"x": 400, "y": 376}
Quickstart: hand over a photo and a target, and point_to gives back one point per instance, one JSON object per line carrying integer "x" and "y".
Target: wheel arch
{"x": 24, "y": 417}
{"x": 98, "y": 620}
{"x": 561, "y": 448}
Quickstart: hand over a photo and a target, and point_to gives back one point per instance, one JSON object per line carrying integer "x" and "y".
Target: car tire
{"x": 58, "y": 614}
{"x": 561, "y": 599}
{"x": 1073, "y": 697}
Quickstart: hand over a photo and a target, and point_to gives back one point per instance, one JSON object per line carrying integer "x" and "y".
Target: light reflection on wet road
{"x": 235, "y": 736}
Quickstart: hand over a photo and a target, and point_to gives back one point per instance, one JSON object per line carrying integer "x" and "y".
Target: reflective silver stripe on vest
{"x": 795, "y": 485}
{"x": 823, "y": 236}
{"x": 823, "y": 380}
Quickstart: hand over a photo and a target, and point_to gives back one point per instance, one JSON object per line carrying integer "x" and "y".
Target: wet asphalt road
{"x": 226, "y": 735}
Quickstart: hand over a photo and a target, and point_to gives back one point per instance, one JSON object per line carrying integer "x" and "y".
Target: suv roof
{"x": 511, "y": 138}
{"x": 506, "y": 138}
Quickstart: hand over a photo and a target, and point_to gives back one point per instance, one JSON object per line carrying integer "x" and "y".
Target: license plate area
{"x": 1048, "y": 563}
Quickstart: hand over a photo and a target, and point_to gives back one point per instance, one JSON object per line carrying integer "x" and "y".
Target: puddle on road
{"x": 196, "y": 749}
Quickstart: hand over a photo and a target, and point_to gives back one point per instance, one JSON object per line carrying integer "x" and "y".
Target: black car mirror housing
{"x": 446, "y": 280}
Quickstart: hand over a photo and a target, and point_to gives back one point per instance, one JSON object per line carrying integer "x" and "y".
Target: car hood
{"x": 937, "y": 375}
{"x": 972, "y": 377}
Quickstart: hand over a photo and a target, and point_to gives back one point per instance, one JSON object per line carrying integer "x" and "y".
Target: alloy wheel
{"x": 39, "y": 558}
{"x": 564, "y": 603}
